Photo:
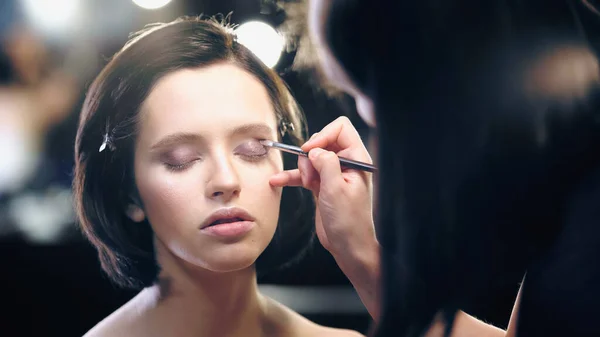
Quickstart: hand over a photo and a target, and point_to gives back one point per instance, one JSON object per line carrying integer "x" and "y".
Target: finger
{"x": 286, "y": 178}
{"x": 337, "y": 135}
{"x": 327, "y": 165}
{"x": 308, "y": 174}
{"x": 341, "y": 137}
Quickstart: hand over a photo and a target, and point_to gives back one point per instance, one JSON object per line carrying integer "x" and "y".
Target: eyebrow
{"x": 188, "y": 138}
{"x": 258, "y": 128}
{"x": 177, "y": 138}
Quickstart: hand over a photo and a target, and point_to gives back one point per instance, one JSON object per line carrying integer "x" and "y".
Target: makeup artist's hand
{"x": 344, "y": 215}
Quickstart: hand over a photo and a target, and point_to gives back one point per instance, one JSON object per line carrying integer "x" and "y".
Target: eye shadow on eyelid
{"x": 252, "y": 147}
{"x": 178, "y": 155}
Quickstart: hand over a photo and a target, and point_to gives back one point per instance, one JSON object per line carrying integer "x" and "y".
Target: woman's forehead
{"x": 217, "y": 96}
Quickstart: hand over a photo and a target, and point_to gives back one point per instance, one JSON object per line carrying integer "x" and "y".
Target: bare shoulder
{"x": 125, "y": 321}
{"x": 332, "y": 332}
{"x": 107, "y": 327}
{"x": 314, "y": 330}
{"x": 286, "y": 322}
{"x": 113, "y": 325}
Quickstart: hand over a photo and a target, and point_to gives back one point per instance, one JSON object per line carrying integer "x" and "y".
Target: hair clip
{"x": 107, "y": 141}
{"x": 284, "y": 127}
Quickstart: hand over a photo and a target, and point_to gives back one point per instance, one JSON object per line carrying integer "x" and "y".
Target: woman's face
{"x": 202, "y": 175}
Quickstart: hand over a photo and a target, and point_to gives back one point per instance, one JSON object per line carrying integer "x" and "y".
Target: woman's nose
{"x": 224, "y": 181}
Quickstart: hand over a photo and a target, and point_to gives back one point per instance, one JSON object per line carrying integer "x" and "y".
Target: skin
{"x": 344, "y": 218}
{"x": 182, "y": 181}
{"x": 207, "y": 285}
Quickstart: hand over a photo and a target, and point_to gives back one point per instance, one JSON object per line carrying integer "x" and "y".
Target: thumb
{"x": 327, "y": 164}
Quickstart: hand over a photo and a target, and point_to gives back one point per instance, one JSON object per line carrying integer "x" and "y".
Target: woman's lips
{"x": 229, "y": 229}
{"x": 228, "y": 222}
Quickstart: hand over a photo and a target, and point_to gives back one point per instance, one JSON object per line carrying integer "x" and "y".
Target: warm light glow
{"x": 566, "y": 72}
{"x": 262, "y": 39}
{"x": 52, "y": 15}
{"x": 151, "y": 4}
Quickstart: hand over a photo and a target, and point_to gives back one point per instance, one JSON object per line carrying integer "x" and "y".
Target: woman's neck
{"x": 196, "y": 302}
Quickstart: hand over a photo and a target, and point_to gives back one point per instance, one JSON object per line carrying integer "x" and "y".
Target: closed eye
{"x": 178, "y": 167}
{"x": 180, "y": 159}
{"x": 251, "y": 150}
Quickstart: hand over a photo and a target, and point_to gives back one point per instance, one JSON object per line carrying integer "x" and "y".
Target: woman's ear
{"x": 134, "y": 208}
{"x": 135, "y": 213}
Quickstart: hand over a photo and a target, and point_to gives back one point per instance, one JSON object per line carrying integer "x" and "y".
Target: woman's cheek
{"x": 161, "y": 189}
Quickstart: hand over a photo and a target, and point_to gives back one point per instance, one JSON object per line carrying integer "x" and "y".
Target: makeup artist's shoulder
{"x": 295, "y": 325}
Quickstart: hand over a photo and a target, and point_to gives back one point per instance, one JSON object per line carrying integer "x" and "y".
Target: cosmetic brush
{"x": 347, "y": 163}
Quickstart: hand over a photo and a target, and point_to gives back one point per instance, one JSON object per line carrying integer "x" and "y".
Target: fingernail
{"x": 309, "y": 140}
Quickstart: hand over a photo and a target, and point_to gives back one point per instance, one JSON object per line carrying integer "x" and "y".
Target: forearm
{"x": 362, "y": 267}
{"x": 466, "y": 326}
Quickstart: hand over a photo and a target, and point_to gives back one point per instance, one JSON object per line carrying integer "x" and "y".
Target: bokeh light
{"x": 263, "y": 40}
{"x": 52, "y": 16}
{"x": 151, "y": 4}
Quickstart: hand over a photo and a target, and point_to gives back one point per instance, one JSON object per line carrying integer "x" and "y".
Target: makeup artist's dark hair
{"x": 104, "y": 184}
{"x": 488, "y": 125}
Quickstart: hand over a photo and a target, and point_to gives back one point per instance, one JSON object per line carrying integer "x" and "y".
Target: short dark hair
{"x": 103, "y": 183}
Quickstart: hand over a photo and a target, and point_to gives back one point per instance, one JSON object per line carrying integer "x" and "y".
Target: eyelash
{"x": 178, "y": 168}
{"x": 253, "y": 158}
{"x": 183, "y": 167}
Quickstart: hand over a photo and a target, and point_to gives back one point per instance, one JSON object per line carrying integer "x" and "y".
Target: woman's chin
{"x": 228, "y": 262}
{"x": 230, "y": 266}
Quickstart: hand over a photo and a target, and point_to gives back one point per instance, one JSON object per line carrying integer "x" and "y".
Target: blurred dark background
{"x": 50, "y": 52}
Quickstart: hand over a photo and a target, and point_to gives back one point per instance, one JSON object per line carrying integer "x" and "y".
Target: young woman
{"x": 172, "y": 185}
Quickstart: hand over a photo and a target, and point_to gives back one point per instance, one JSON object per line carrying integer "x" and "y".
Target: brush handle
{"x": 289, "y": 149}
{"x": 347, "y": 163}
{"x": 357, "y": 165}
